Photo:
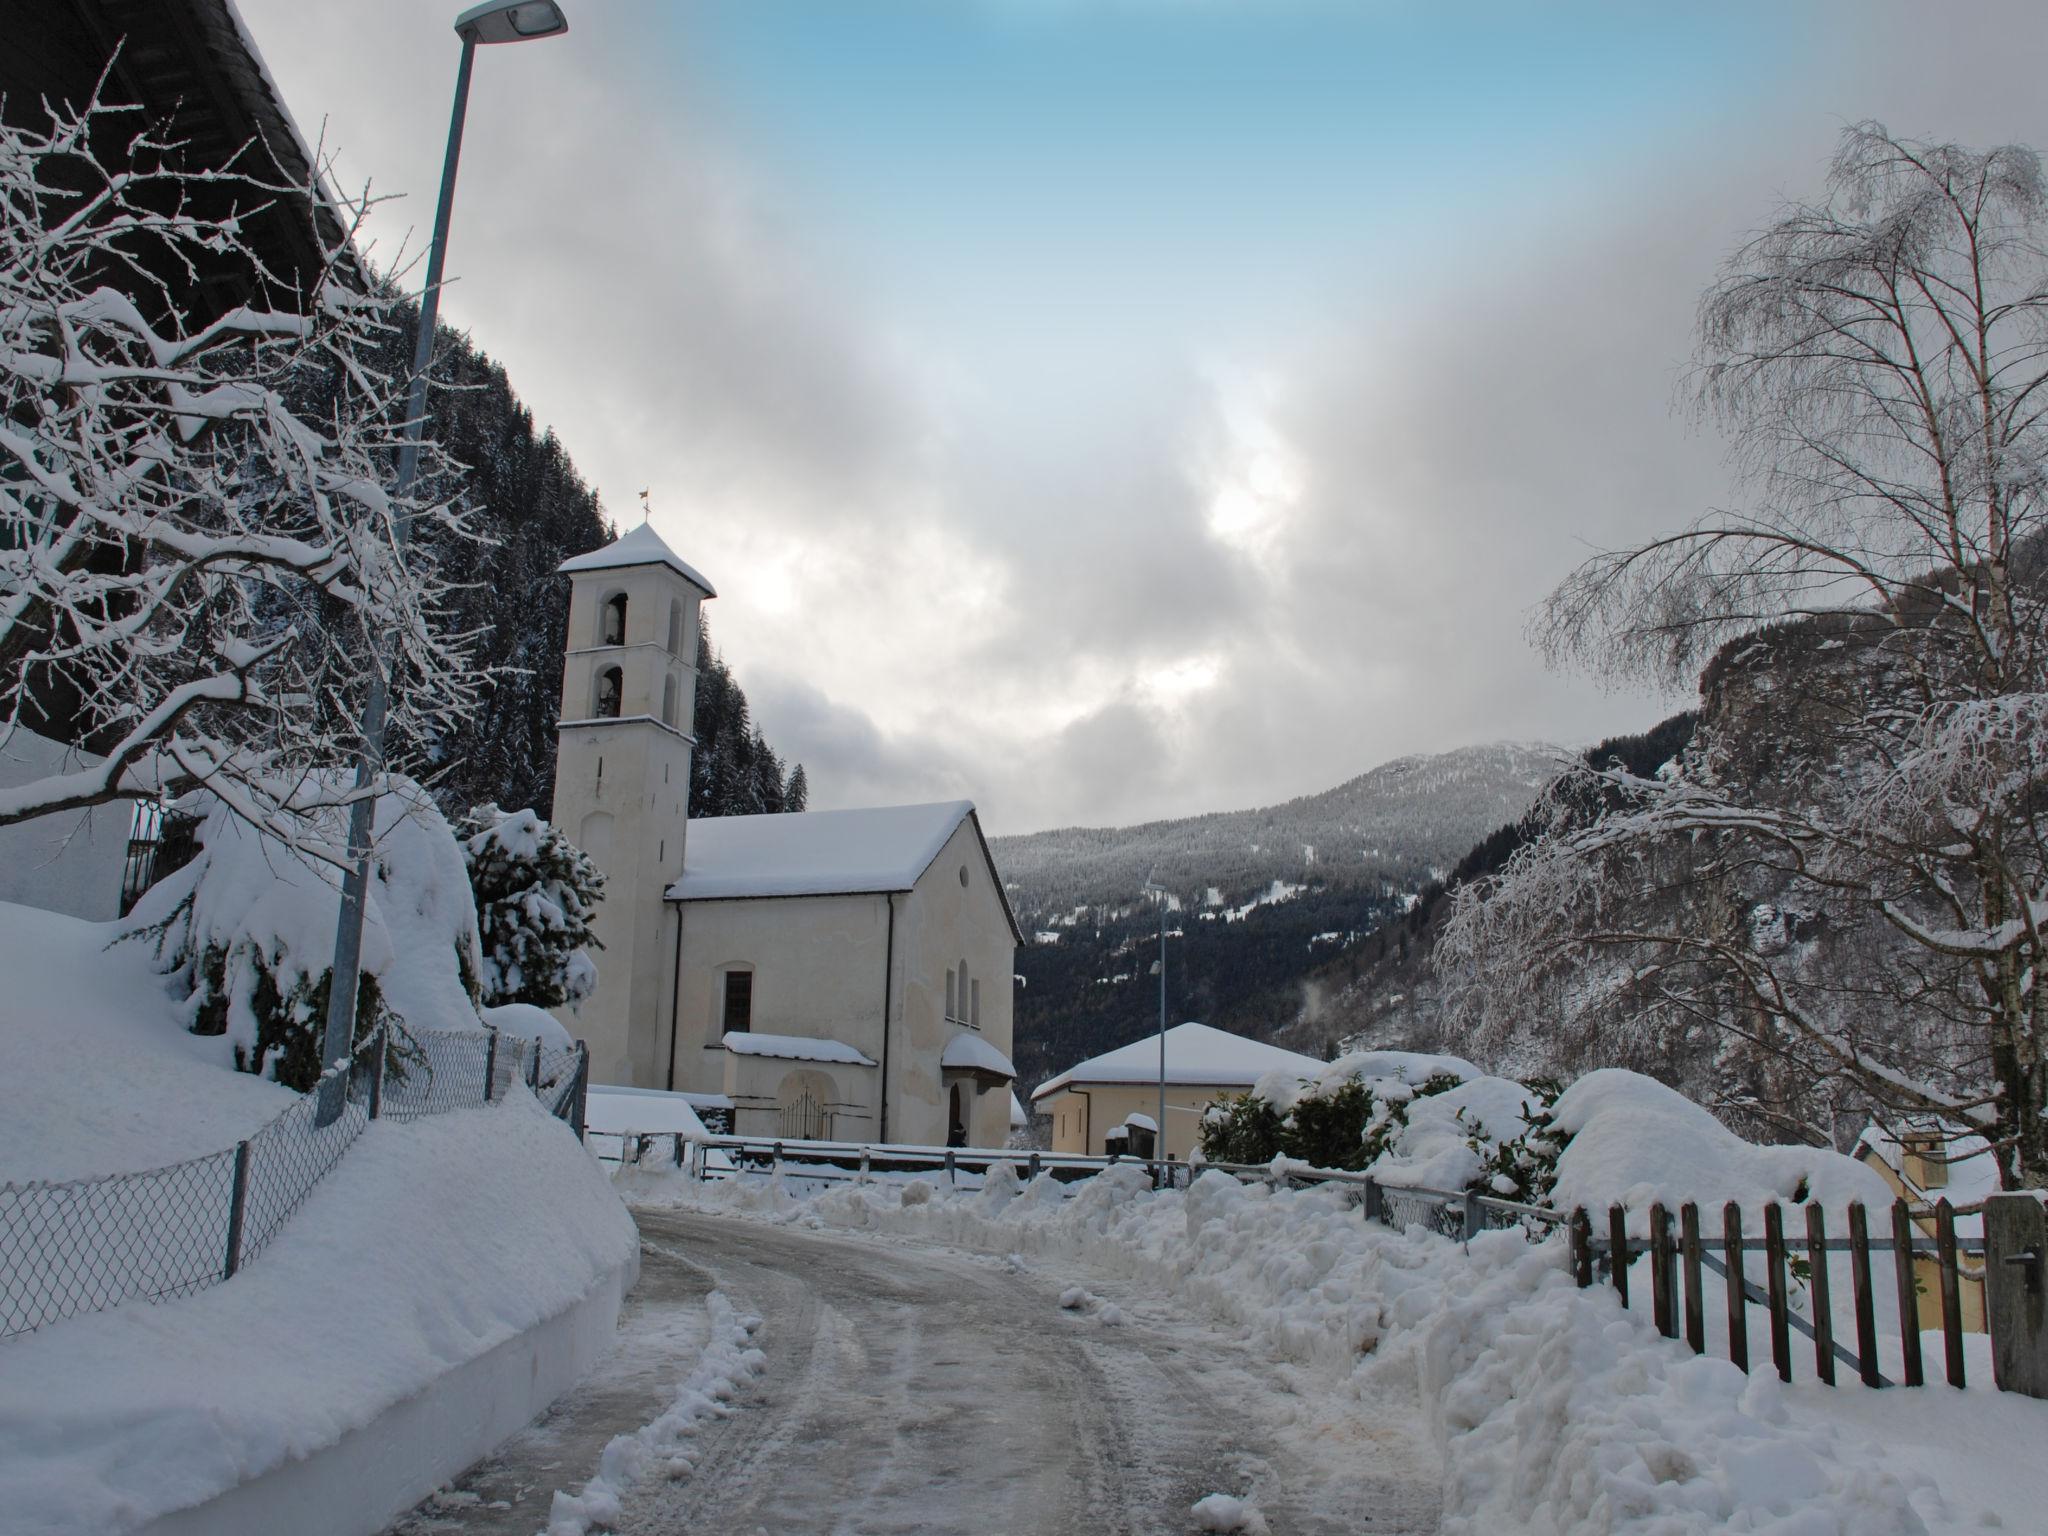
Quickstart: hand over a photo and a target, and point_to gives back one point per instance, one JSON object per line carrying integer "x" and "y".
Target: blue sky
{"x": 1174, "y": 161}
{"x": 1110, "y": 409}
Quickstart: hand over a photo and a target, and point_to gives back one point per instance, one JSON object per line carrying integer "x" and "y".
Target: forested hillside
{"x": 1259, "y": 901}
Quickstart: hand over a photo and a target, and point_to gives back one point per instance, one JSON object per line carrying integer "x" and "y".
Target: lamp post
{"x": 1159, "y": 1132}
{"x": 495, "y": 21}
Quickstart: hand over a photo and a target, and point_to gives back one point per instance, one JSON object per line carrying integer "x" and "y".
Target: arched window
{"x": 952, "y": 1006}
{"x": 611, "y": 683}
{"x": 675, "y": 627}
{"x": 612, "y": 620}
{"x": 668, "y": 700}
{"x": 974, "y": 1004}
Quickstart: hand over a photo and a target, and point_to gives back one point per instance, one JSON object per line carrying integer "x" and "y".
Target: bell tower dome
{"x": 622, "y": 780}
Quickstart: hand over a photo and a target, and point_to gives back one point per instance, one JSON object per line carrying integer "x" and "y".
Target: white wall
{"x": 70, "y": 863}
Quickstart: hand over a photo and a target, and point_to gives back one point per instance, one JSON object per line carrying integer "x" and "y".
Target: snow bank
{"x": 1556, "y": 1410}
{"x": 1385, "y": 1072}
{"x": 1634, "y": 1141}
{"x": 96, "y": 1076}
{"x": 1448, "y": 1135}
{"x": 428, "y": 1246}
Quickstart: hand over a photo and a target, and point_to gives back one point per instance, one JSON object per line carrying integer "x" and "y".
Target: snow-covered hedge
{"x": 246, "y": 930}
{"x": 536, "y": 893}
{"x": 1612, "y": 1138}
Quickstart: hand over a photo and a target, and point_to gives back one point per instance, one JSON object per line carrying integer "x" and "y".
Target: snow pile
{"x": 523, "y": 1021}
{"x": 729, "y": 1358}
{"x": 248, "y": 926}
{"x": 1555, "y": 1410}
{"x": 1634, "y": 1141}
{"x": 96, "y": 1076}
{"x": 428, "y": 1245}
{"x": 1387, "y": 1073}
{"x": 1221, "y": 1512}
{"x": 1446, "y": 1140}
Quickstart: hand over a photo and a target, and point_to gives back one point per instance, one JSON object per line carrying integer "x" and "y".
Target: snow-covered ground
{"x": 1554, "y": 1410}
{"x": 428, "y": 1245}
{"x": 96, "y": 1075}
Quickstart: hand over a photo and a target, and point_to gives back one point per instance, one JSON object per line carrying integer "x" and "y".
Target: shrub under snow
{"x": 536, "y": 893}
{"x": 247, "y": 930}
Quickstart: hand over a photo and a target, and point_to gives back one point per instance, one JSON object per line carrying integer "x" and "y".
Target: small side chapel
{"x": 835, "y": 975}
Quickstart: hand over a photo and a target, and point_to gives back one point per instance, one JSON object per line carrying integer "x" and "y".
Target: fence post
{"x": 1909, "y": 1294}
{"x": 238, "y": 1203}
{"x": 866, "y": 1164}
{"x": 1034, "y": 1166}
{"x": 1695, "y": 1283}
{"x": 1866, "y": 1303}
{"x": 679, "y": 1149}
{"x": 1663, "y": 1276}
{"x": 490, "y": 1063}
{"x": 377, "y": 1072}
{"x": 579, "y": 1095}
{"x": 952, "y": 1177}
{"x": 776, "y": 1166}
{"x": 1818, "y": 1289}
{"x": 1617, "y": 1250}
{"x": 1375, "y": 1202}
{"x": 1951, "y": 1290}
{"x": 1582, "y": 1247}
{"x": 1738, "y": 1300}
{"x": 699, "y": 1158}
{"x": 1471, "y": 1215}
{"x": 1774, "y": 1267}
{"x": 533, "y": 1073}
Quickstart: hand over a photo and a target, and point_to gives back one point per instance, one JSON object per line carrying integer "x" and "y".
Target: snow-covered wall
{"x": 69, "y": 863}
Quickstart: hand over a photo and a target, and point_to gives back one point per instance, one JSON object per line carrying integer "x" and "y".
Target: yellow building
{"x": 1116, "y": 1095}
{"x": 1923, "y": 1164}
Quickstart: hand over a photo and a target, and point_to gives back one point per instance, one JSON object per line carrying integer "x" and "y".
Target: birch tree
{"x": 197, "y": 539}
{"x": 1866, "y": 911}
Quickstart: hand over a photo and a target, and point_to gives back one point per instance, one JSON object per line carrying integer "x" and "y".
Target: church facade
{"x": 836, "y": 975}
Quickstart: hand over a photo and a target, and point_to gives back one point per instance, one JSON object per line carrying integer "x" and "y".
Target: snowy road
{"x": 919, "y": 1389}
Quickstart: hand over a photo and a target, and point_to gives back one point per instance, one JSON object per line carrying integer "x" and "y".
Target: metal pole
{"x": 1159, "y": 1133}
{"x": 348, "y": 934}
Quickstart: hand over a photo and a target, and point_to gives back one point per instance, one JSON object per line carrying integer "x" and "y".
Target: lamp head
{"x": 512, "y": 21}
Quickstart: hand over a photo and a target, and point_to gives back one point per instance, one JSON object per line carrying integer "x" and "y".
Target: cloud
{"x": 1082, "y": 559}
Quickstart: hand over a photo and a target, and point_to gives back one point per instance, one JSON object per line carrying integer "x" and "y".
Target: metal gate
{"x": 806, "y": 1119}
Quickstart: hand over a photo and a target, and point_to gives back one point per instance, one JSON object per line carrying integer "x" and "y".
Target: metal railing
{"x": 1455, "y": 1214}
{"x": 84, "y": 1245}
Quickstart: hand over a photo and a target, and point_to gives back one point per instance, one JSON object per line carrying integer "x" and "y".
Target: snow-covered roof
{"x": 794, "y": 1048}
{"x": 1964, "y": 1156}
{"x": 972, "y": 1053}
{"x": 1196, "y": 1055}
{"x": 1140, "y": 1122}
{"x": 640, "y": 546}
{"x": 615, "y": 1109}
{"x": 1018, "y": 1119}
{"x": 815, "y": 853}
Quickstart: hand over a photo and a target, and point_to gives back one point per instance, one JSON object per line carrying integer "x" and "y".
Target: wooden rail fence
{"x": 1679, "y": 1264}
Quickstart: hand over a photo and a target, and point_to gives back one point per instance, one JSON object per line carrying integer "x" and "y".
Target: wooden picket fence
{"x": 1680, "y": 1263}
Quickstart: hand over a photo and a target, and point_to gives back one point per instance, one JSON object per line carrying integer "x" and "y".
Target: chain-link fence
{"x": 88, "y": 1244}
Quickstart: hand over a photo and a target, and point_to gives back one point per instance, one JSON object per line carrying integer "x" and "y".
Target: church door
{"x": 956, "y": 1127}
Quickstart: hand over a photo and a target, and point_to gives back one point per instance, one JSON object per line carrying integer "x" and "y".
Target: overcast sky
{"x": 1111, "y": 409}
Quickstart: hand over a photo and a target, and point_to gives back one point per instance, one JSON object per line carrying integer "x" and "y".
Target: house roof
{"x": 870, "y": 851}
{"x": 971, "y": 1053}
{"x": 1196, "y": 1056}
{"x": 1972, "y": 1171}
{"x": 638, "y": 546}
{"x": 795, "y": 1048}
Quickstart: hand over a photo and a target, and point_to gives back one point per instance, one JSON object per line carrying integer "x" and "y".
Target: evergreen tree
{"x": 797, "y": 792}
{"x": 535, "y": 895}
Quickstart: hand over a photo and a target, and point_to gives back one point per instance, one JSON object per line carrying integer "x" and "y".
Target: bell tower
{"x": 622, "y": 782}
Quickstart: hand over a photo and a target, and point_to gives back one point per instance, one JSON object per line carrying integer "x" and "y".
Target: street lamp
{"x": 495, "y": 21}
{"x": 1159, "y": 1134}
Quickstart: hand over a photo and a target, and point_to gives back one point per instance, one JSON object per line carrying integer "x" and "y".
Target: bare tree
{"x": 1866, "y": 909}
{"x": 196, "y": 533}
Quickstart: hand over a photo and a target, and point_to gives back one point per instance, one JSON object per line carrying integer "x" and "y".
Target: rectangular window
{"x": 739, "y": 1002}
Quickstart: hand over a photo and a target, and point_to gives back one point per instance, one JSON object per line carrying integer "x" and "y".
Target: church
{"x": 835, "y": 975}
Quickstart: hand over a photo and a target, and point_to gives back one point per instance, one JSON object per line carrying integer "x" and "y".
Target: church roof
{"x": 640, "y": 546}
{"x": 815, "y": 853}
{"x": 1196, "y": 1055}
